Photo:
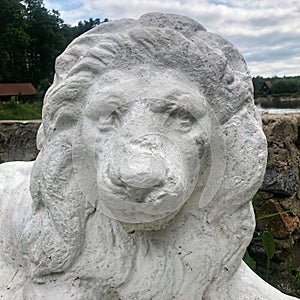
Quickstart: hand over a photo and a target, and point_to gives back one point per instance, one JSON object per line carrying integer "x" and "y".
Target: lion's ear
{"x": 40, "y": 138}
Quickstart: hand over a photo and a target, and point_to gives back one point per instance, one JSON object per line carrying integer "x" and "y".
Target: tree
{"x": 46, "y": 40}
{"x": 286, "y": 85}
{"x": 84, "y": 26}
{"x": 31, "y": 38}
{"x": 14, "y": 41}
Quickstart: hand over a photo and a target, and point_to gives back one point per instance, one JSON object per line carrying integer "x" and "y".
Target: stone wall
{"x": 17, "y": 140}
{"x": 277, "y": 204}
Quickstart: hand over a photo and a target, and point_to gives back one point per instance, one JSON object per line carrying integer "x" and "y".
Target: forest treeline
{"x": 286, "y": 85}
{"x": 31, "y": 37}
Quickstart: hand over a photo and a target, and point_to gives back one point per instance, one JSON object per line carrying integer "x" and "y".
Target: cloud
{"x": 267, "y": 32}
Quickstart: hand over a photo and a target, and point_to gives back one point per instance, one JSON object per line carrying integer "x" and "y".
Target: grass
{"x": 14, "y": 110}
{"x": 277, "y": 103}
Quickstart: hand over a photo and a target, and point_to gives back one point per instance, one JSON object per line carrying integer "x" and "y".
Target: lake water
{"x": 282, "y": 111}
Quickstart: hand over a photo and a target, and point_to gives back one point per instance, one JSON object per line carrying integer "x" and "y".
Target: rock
{"x": 282, "y": 173}
{"x": 279, "y": 196}
{"x": 292, "y": 204}
{"x": 18, "y": 140}
{"x": 282, "y": 182}
{"x": 272, "y": 217}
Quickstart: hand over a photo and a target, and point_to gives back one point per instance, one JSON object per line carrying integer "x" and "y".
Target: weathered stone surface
{"x": 151, "y": 150}
{"x": 292, "y": 204}
{"x": 280, "y": 193}
{"x": 18, "y": 140}
{"x": 282, "y": 174}
{"x": 272, "y": 217}
{"x": 282, "y": 182}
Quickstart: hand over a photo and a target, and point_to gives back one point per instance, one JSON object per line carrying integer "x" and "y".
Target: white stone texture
{"x": 151, "y": 150}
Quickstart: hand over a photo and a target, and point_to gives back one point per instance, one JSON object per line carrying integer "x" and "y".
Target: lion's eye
{"x": 183, "y": 119}
{"x": 111, "y": 122}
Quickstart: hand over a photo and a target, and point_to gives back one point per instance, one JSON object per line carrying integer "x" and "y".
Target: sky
{"x": 267, "y": 32}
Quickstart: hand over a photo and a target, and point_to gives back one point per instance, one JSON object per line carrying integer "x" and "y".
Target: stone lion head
{"x": 151, "y": 150}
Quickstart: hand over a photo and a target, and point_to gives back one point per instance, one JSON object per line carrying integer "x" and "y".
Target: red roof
{"x": 14, "y": 89}
{"x": 268, "y": 84}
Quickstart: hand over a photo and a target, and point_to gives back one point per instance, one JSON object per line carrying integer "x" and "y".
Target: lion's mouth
{"x": 141, "y": 194}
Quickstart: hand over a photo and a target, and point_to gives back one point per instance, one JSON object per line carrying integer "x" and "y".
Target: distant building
{"x": 7, "y": 90}
{"x": 267, "y": 87}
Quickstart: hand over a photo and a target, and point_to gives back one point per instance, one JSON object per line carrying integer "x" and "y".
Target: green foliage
{"x": 269, "y": 247}
{"x": 46, "y": 41}
{"x": 14, "y": 110}
{"x": 296, "y": 282}
{"x": 283, "y": 86}
{"x": 286, "y": 85}
{"x": 257, "y": 196}
{"x": 249, "y": 261}
{"x": 294, "y": 278}
{"x": 14, "y": 41}
{"x": 265, "y": 216}
{"x": 84, "y": 26}
{"x": 290, "y": 285}
{"x": 31, "y": 37}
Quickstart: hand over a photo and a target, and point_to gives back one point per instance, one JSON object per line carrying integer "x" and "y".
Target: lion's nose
{"x": 141, "y": 171}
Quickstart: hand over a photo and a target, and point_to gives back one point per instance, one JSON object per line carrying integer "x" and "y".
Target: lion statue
{"x": 150, "y": 151}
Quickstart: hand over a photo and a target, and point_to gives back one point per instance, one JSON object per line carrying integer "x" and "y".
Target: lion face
{"x": 147, "y": 146}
